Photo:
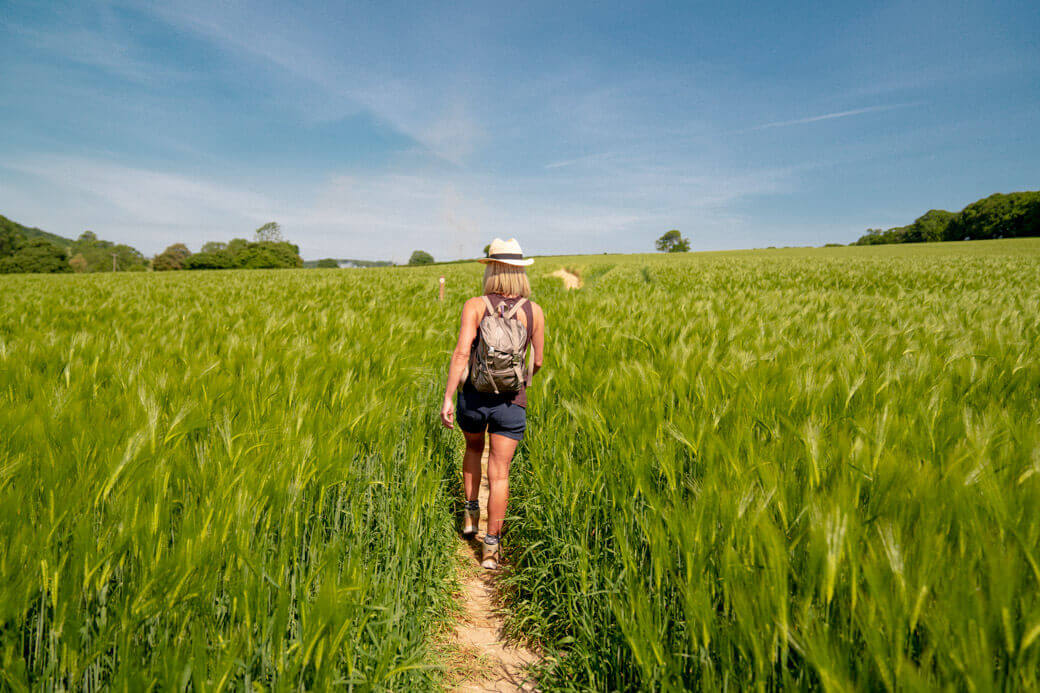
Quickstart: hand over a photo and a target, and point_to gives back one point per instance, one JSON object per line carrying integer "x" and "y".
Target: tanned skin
{"x": 502, "y": 447}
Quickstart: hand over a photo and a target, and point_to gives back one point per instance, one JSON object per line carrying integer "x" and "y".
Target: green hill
{"x": 30, "y": 233}
{"x": 1013, "y": 215}
{"x": 25, "y": 249}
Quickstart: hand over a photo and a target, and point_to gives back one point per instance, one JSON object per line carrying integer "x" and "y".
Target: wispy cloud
{"x": 380, "y": 215}
{"x": 109, "y": 52}
{"x": 369, "y": 131}
{"x": 440, "y": 122}
{"x": 833, "y": 116}
{"x": 565, "y": 163}
{"x": 579, "y": 160}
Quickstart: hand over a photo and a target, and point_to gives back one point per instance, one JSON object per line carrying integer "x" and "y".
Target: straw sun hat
{"x": 506, "y": 252}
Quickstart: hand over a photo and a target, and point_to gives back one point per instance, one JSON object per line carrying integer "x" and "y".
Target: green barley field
{"x": 797, "y": 469}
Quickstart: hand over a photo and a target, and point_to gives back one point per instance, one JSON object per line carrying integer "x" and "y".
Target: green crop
{"x": 764, "y": 469}
{"x": 222, "y": 479}
{"x": 788, "y": 469}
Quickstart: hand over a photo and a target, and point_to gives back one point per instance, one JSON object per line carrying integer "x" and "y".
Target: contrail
{"x": 832, "y": 116}
{"x": 580, "y": 159}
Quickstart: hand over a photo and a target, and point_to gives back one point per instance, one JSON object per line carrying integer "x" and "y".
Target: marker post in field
{"x": 440, "y": 294}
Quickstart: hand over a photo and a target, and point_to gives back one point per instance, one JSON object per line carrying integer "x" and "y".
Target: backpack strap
{"x": 515, "y": 308}
{"x": 487, "y": 302}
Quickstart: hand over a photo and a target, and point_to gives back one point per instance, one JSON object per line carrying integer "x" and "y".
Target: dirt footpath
{"x": 499, "y": 665}
{"x": 570, "y": 280}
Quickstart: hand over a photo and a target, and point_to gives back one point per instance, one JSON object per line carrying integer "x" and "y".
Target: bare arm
{"x": 537, "y": 338}
{"x": 471, "y": 313}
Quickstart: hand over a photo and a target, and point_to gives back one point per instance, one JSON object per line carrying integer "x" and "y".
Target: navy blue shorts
{"x": 477, "y": 412}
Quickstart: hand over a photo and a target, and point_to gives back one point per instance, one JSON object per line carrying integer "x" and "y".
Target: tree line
{"x": 336, "y": 263}
{"x": 1012, "y": 215}
{"x": 24, "y": 249}
{"x": 268, "y": 250}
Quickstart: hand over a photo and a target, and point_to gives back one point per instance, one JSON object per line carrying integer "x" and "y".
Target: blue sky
{"x": 370, "y": 129}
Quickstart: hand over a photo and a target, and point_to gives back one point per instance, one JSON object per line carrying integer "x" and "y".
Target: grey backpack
{"x": 497, "y": 363}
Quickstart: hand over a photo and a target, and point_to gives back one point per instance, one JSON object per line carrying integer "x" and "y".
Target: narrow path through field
{"x": 500, "y": 664}
{"x": 570, "y": 280}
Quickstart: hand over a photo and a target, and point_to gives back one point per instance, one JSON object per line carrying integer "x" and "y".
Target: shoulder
{"x": 536, "y": 310}
{"x": 473, "y": 306}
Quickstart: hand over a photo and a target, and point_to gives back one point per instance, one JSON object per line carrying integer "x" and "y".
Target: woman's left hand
{"x": 448, "y": 413}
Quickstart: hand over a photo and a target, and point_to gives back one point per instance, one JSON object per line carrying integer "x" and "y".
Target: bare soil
{"x": 498, "y": 665}
{"x": 570, "y": 280}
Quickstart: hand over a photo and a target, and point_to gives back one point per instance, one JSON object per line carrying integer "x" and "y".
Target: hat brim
{"x": 516, "y": 263}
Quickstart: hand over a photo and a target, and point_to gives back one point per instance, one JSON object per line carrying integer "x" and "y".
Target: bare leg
{"x": 502, "y": 449}
{"x": 471, "y": 464}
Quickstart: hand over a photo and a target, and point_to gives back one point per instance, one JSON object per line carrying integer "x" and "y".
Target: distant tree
{"x": 95, "y": 252}
{"x": 240, "y": 253}
{"x": 220, "y": 259}
{"x": 96, "y": 255}
{"x": 871, "y": 237}
{"x": 927, "y": 228}
{"x": 127, "y": 259}
{"x": 271, "y": 231}
{"x": 673, "y": 242}
{"x": 328, "y": 263}
{"x": 420, "y": 257}
{"x": 487, "y": 250}
{"x": 173, "y": 258}
{"x": 89, "y": 253}
{"x": 235, "y": 247}
{"x": 998, "y": 216}
{"x": 269, "y": 255}
{"x": 36, "y": 255}
{"x": 11, "y": 229}
{"x": 10, "y": 240}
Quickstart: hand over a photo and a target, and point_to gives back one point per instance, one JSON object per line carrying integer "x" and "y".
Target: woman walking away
{"x": 490, "y": 362}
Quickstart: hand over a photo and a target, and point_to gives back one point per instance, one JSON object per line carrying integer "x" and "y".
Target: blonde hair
{"x": 500, "y": 278}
